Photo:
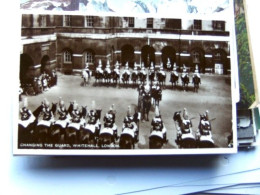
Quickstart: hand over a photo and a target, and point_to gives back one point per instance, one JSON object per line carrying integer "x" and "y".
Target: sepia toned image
{"x": 92, "y": 82}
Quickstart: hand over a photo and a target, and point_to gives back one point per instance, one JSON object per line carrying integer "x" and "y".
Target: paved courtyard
{"x": 214, "y": 95}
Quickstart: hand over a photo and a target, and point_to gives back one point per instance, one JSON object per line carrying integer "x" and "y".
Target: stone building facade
{"x": 68, "y": 42}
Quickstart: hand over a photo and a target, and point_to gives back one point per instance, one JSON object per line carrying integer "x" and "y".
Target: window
{"x": 131, "y": 22}
{"x": 67, "y": 57}
{"x": 89, "y": 21}
{"x": 173, "y": 23}
{"x": 43, "y": 20}
{"x": 196, "y": 57}
{"x": 67, "y": 20}
{"x": 197, "y": 24}
{"x": 89, "y": 57}
{"x": 218, "y": 25}
{"x": 149, "y": 22}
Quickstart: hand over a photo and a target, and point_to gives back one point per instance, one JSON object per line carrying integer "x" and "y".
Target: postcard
{"x": 148, "y": 80}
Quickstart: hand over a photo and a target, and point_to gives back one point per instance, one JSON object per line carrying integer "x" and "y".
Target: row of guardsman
{"x": 39, "y": 84}
{"x": 76, "y": 128}
{"x": 135, "y": 77}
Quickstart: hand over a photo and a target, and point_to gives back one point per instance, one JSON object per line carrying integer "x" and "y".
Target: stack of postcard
{"x": 107, "y": 77}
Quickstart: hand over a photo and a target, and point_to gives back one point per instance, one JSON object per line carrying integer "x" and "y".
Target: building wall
{"x": 104, "y": 40}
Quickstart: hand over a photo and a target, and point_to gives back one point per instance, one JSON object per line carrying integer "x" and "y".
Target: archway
{"x": 127, "y": 55}
{"x": 45, "y": 63}
{"x": 198, "y": 58}
{"x": 219, "y": 58}
{"x": 25, "y": 63}
{"x": 168, "y": 52}
{"x": 148, "y": 55}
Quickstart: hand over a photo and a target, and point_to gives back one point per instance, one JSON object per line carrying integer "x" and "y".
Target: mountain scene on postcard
{"x": 247, "y": 96}
{"x": 130, "y": 6}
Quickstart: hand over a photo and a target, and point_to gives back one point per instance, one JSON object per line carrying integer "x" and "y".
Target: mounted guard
{"x": 174, "y": 75}
{"x": 156, "y": 93}
{"x": 130, "y": 130}
{"x": 158, "y": 135}
{"x": 185, "y": 138}
{"x": 126, "y": 74}
{"x": 26, "y": 124}
{"x": 196, "y": 80}
{"x": 204, "y": 132}
{"x": 134, "y": 75}
{"x": 185, "y": 77}
{"x": 108, "y": 135}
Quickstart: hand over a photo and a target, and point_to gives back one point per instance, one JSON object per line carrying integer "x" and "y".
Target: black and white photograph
{"x": 93, "y": 84}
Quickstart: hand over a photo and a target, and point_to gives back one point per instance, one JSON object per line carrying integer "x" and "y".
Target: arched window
{"x": 67, "y": 56}
{"x": 88, "y": 57}
{"x": 196, "y": 57}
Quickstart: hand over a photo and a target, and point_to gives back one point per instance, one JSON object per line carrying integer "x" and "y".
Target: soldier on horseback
{"x": 134, "y": 75}
{"x": 47, "y": 112}
{"x": 107, "y": 69}
{"x": 116, "y": 69}
{"x": 196, "y": 74}
{"x": 186, "y": 122}
{"x": 109, "y": 121}
{"x": 158, "y": 125}
{"x": 62, "y": 111}
{"x": 26, "y": 114}
{"x": 99, "y": 68}
{"x": 94, "y": 119}
{"x": 156, "y": 93}
{"x": 174, "y": 74}
{"x": 130, "y": 124}
{"x": 184, "y": 71}
{"x": 126, "y": 70}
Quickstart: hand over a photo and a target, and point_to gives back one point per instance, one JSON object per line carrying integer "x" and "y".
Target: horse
{"x": 151, "y": 76}
{"x": 85, "y": 77}
{"x": 127, "y": 139}
{"x": 142, "y": 77}
{"x": 107, "y": 76}
{"x": 98, "y": 76}
{"x": 106, "y": 138}
{"x": 196, "y": 82}
{"x": 185, "y": 138}
{"x": 161, "y": 78}
{"x": 156, "y": 140}
{"x": 174, "y": 79}
{"x": 185, "y": 81}
{"x": 115, "y": 76}
{"x": 87, "y": 136}
{"x": 125, "y": 78}
{"x": 134, "y": 78}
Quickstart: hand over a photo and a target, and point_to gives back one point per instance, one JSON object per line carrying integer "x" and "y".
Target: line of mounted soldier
{"x": 39, "y": 84}
{"x": 113, "y": 76}
{"x": 74, "y": 127}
